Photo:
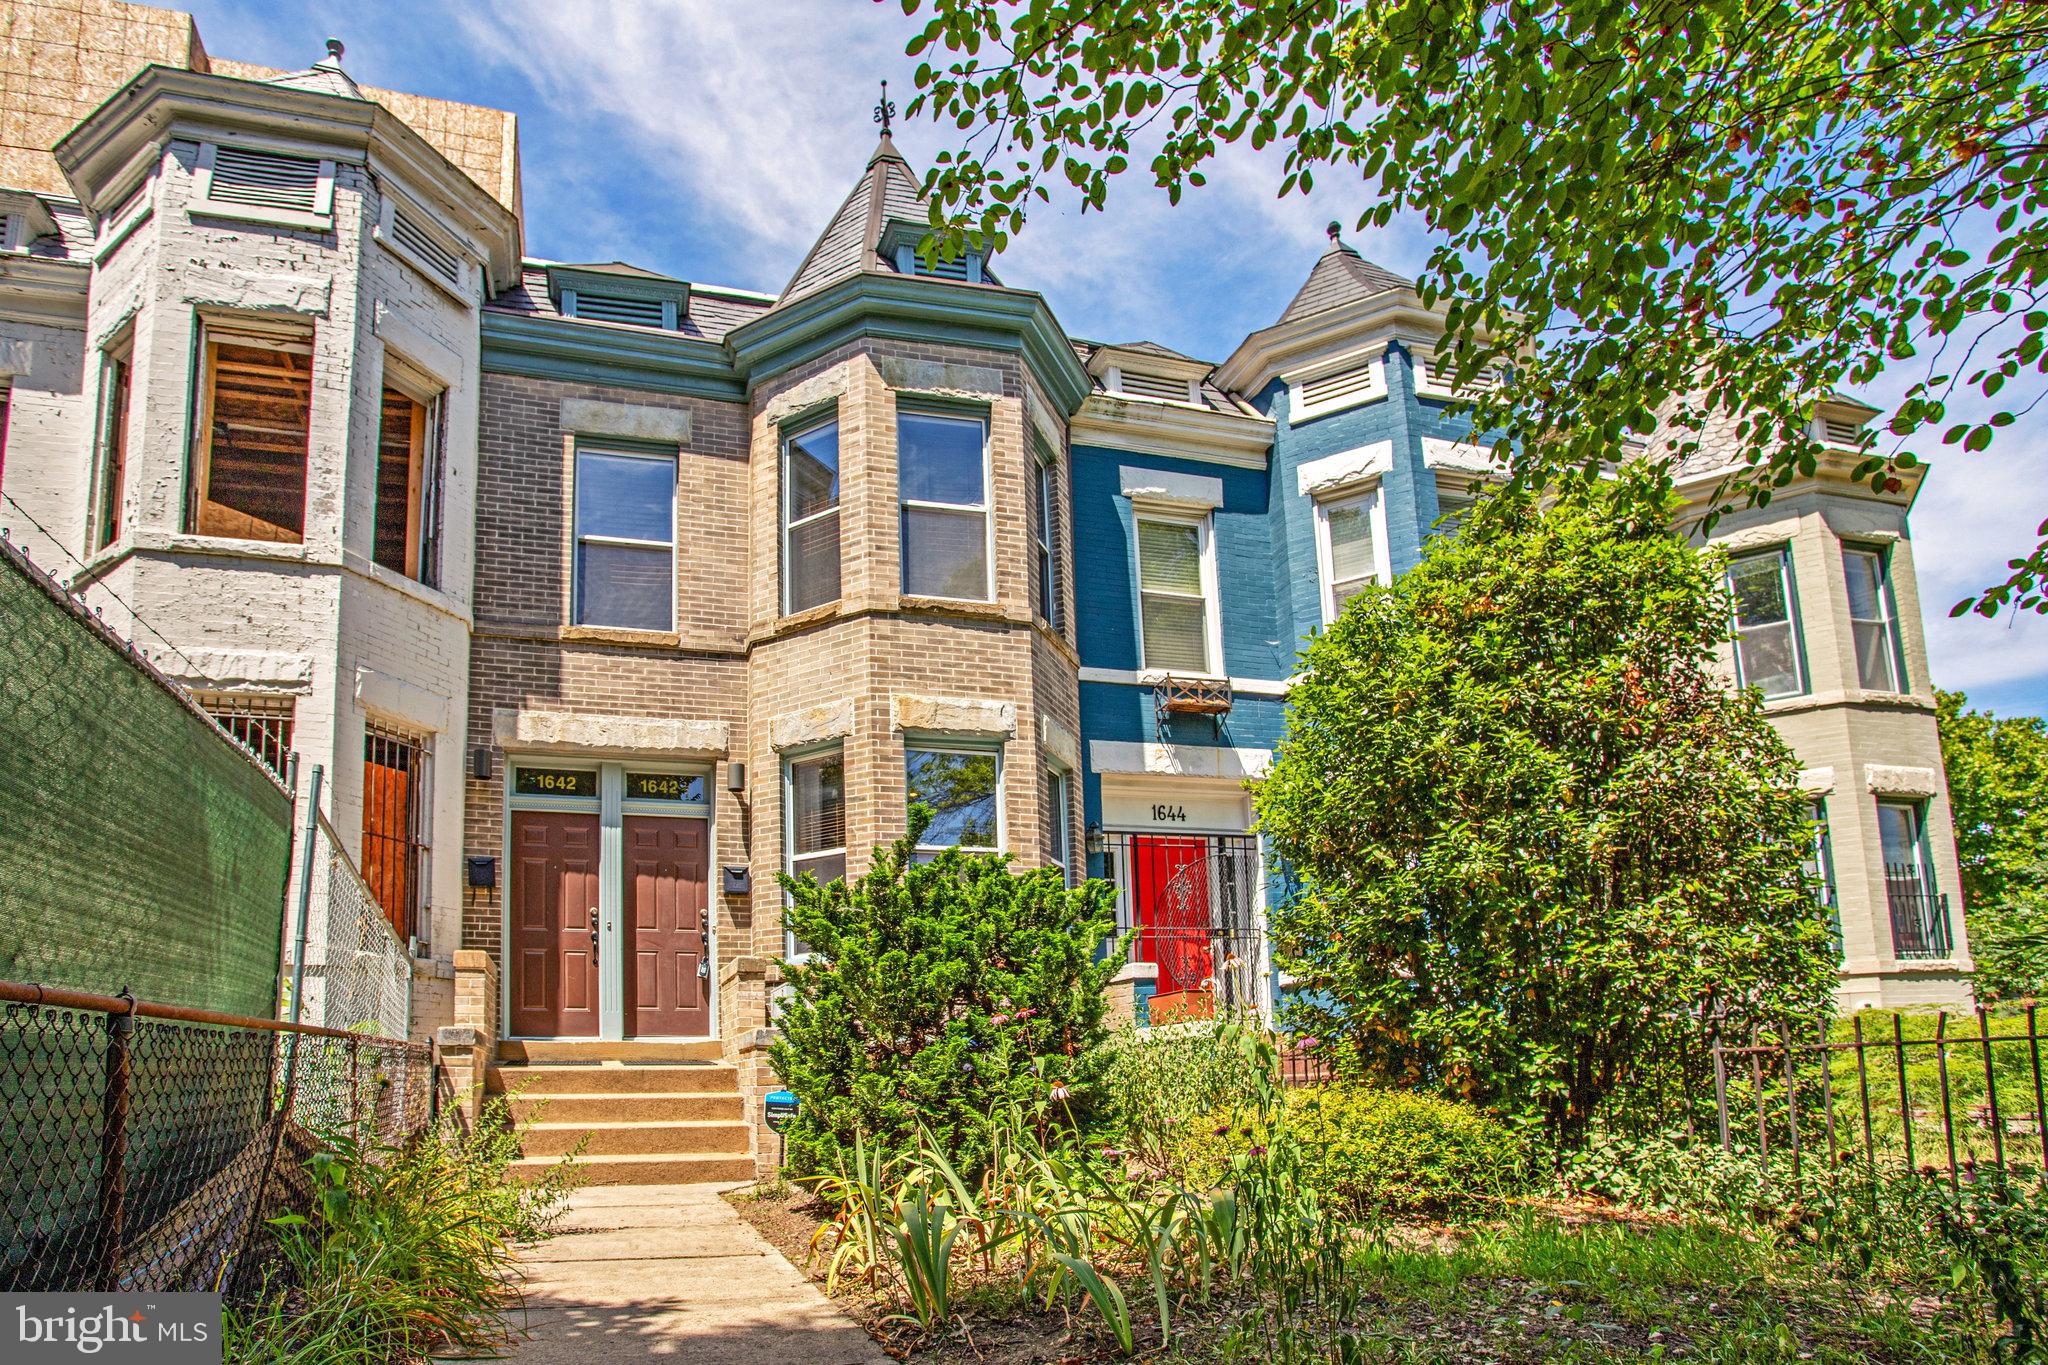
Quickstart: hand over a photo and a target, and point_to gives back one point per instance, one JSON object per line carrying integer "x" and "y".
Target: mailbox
{"x": 737, "y": 880}
{"x": 780, "y": 1108}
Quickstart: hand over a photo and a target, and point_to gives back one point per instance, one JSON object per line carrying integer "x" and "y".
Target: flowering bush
{"x": 939, "y": 993}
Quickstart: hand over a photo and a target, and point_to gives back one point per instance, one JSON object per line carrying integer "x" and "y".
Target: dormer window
{"x": 264, "y": 186}
{"x": 1170, "y": 388}
{"x": 1349, "y": 381}
{"x": 900, "y": 245}
{"x": 619, "y": 293}
{"x": 1840, "y": 431}
{"x": 1437, "y": 378}
{"x": 1145, "y": 369}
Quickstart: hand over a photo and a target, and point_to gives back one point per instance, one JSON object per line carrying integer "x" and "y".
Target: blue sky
{"x": 711, "y": 139}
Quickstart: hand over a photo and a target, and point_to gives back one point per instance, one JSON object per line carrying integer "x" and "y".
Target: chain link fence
{"x": 358, "y": 974}
{"x": 145, "y": 1146}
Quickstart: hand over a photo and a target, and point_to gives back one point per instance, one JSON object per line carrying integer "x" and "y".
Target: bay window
{"x": 942, "y": 474}
{"x": 625, "y": 540}
{"x": 810, "y": 517}
{"x": 1767, "y": 649}
{"x": 405, "y": 535}
{"x": 251, "y": 439}
{"x": 1872, "y": 620}
{"x": 962, "y": 788}
{"x": 1348, "y": 544}
{"x": 1175, "y": 592}
{"x": 814, "y": 802}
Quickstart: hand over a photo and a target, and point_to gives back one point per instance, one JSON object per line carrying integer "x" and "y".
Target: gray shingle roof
{"x": 887, "y": 192}
{"x": 711, "y": 314}
{"x": 1342, "y": 276}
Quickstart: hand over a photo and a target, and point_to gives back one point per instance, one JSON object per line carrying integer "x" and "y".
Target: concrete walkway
{"x": 670, "y": 1272}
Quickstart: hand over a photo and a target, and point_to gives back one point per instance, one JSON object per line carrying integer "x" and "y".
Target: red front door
{"x": 554, "y": 918}
{"x": 668, "y": 862}
{"x": 1170, "y": 898}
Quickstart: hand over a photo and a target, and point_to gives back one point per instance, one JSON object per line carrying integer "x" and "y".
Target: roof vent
{"x": 332, "y": 61}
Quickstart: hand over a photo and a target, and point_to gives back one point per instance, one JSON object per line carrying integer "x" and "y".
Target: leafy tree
{"x": 937, "y": 993}
{"x": 1656, "y": 210}
{"x": 1539, "y": 843}
{"x": 1998, "y": 790}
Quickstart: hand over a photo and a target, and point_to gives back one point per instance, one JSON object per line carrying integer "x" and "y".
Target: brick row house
{"x": 606, "y": 597}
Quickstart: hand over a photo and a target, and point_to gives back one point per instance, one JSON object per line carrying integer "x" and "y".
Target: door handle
{"x": 593, "y": 929}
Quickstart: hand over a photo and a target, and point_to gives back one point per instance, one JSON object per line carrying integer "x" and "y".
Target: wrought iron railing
{"x": 1920, "y": 922}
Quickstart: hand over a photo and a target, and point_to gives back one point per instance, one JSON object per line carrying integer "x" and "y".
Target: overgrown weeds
{"x": 408, "y": 1250}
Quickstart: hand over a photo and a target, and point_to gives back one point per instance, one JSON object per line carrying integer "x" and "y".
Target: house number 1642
{"x": 1178, "y": 814}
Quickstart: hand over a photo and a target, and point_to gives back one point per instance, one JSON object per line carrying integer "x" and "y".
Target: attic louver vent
{"x": 430, "y": 252}
{"x": 267, "y": 179}
{"x": 1842, "y": 433}
{"x": 955, "y": 269}
{"x": 1441, "y": 374}
{"x": 1155, "y": 386}
{"x": 611, "y": 308}
{"x": 1335, "y": 390}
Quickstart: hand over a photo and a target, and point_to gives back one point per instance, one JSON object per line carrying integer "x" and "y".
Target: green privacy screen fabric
{"x": 140, "y": 848}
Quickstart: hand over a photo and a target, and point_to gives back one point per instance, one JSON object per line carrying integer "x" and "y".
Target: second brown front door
{"x": 667, "y": 866}
{"x": 553, "y": 921}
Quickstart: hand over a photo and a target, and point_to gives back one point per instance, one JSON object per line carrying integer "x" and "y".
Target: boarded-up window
{"x": 113, "y": 448}
{"x": 394, "y": 825}
{"x": 255, "y": 421}
{"x": 408, "y": 477}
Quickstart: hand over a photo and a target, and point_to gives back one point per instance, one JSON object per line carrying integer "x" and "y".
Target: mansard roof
{"x": 1342, "y": 276}
{"x": 888, "y": 192}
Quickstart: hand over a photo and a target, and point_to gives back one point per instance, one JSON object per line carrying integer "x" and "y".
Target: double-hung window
{"x": 1767, "y": 652}
{"x": 1058, "y": 830}
{"x": 1175, "y": 593}
{"x": 814, "y": 795}
{"x": 625, "y": 540}
{"x": 253, "y": 433}
{"x": 942, "y": 472}
{"x": 1873, "y": 620}
{"x": 405, "y": 536}
{"x": 1348, "y": 542}
{"x": 1454, "y": 503}
{"x": 963, "y": 789}
{"x": 1048, "y": 530}
{"x": 1821, "y": 868}
{"x": 810, "y": 516}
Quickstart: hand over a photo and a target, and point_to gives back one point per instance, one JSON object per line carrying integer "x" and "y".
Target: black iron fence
{"x": 1919, "y": 913}
{"x": 1942, "y": 1093}
{"x": 144, "y": 1146}
{"x": 1193, "y": 907}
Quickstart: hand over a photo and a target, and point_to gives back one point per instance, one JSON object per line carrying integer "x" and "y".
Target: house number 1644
{"x": 1178, "y": 814}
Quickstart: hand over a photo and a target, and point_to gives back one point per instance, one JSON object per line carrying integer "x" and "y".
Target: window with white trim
{"x": 1047, "y": 531}
{"x": 1454, "y": 503}
{"x": 1350, "y": 548}
{"x": 963, "y": 789}
{"x": 625, "y": 540}
{"x": 1059, "y": 828}
{"x": 810, "y": 516}
{"x": 253, "y": 433}
{"x": 814, "y": 801}
{"x": 1767, "y": 649}
{"x": 116, "y": 386}
{"x": 942, "y": 473}
{"x": 1176, "y": 589}
{"x": 1873, "y": 619}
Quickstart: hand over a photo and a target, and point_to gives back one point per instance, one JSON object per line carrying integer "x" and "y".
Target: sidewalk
{"x": 670, "y": 1272}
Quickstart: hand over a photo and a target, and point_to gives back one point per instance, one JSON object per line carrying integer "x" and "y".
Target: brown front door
{"x": 554, "y": 909}
{"x": 667, "y": 865}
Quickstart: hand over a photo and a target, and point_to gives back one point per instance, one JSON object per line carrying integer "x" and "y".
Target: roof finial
{"x": 333, "y": 57}
{"x": 1335, "y": 229}
{"x": 885, "y": 110}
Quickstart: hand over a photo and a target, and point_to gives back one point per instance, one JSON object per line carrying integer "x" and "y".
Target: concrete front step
{"x": 695, "y": 1169}
{"x": 597, "y": 1109}
{"x": 642, "y": 1138}
{"x": 700, "y": 1078}
{"x": 543, "y": 1051}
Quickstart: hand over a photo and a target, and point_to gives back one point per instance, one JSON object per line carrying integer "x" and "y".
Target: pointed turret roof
{"x": 1341, "y": 276}
{"x": 325, "y": 76}
{"x": 886, "y": 192}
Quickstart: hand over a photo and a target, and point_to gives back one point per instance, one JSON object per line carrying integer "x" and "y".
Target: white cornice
{"x": 42, "y": 290}
{"x": 1174, "y": 430}
{"x": 1301, "y": 344}
{"x": 1836, "y": 475}
{"x": 117, "y": 142}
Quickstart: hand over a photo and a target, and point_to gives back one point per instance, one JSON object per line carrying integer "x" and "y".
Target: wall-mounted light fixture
{"x": 480, "y": 763}
{"x": 735, "y": 778}
{"x": 1098, "y": 842}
